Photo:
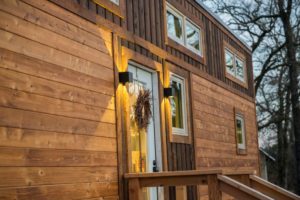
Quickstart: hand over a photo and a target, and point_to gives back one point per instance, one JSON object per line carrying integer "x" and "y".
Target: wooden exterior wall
{"x": 57, "y": 86}
{"x": 214, "y": 129}
{"x": 57, "y": 109}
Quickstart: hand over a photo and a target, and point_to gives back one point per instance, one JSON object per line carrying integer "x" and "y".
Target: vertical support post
{"x": 245, "y": 179}
{"x": 135, "y": 190}
{"x": 214, "y": 191}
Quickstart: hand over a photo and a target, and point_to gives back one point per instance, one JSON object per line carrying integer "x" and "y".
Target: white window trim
{"x": 177, "y": 14}
{"x": 181, "y": 131}
{"x": 234, "y": 65}
{"x": 243, "y": 62}
{"x": 243, "y": 144}
{"x": 117, "y": 2}
{"x": 185, "y": 20}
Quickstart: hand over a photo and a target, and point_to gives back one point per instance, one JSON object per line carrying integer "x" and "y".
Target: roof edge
{"x": 214, "y": 15}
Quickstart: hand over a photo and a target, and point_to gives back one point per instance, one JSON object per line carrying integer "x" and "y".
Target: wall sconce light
{"x": 125, "y": 77}
{"x": 169, "y": 92}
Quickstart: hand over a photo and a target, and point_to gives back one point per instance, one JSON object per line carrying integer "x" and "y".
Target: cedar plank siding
{"x": 215, "y": 142}
{"x": 57, "y": 137}
{"x": 48, "y": 47}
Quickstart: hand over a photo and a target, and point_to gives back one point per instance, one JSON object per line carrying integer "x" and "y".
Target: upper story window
{"x": 240, "y": 132}
{"x": 115, "y": 2}
{"x": 240, "y": 68}
{"x": 175, "y": 26}
{"x": 183, "y": 30}
{"x": 229, "y": 59}
{"x": 178, "y": 106}
{"x": 192, "y": 34}
{"x": 235, "y": 66}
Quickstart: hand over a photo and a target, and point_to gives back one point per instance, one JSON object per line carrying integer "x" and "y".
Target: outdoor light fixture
{"x": 125, "y": 77}
{"x": 169, "y": 92}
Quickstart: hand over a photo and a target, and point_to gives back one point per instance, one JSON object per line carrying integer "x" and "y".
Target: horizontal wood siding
{"x": 57, "y": 97}
{"x": 57, "y": 106}
{"x": 214, "y": 129}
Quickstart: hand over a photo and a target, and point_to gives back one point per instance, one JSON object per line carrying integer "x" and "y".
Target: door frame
{"x": 156, "y": 119}
{"x": 121, "y": 57}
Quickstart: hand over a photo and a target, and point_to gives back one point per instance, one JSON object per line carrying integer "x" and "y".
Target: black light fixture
{"x": 125, "y": 77}
{"x": 169, "y": 92}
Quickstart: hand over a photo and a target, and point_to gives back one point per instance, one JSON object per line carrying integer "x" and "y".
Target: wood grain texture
{"x": 57, "y": 96}
{"x": 57, "y": 107}
{"x": 61, "y": 191}
{"x": 52, "y": 157}
{"x": 214, "y": 129}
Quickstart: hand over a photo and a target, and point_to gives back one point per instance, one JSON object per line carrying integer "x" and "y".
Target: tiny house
{"x": 123, "y": 99}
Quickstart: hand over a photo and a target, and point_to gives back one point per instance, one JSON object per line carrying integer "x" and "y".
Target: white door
{"x": 144, "y": 147}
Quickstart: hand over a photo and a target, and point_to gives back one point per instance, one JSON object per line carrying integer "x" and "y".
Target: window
{"x": 235, "y": 66}
{"x": 178, "y": 106}
{"x": 229, "y": 62}
{"x": 183, "y": 31}
{"x": 240, "y": 74}
{"x": 175, "y": 26}
{"x": 240, "y": 132}
{"x": 193, "y": 37}
{"x": 115, "y": 2}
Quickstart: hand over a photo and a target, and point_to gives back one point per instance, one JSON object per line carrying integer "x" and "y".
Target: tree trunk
{"x": 281, "y": 134}
{"x": 281, "y": 173}
{"x": 293, "y": 75}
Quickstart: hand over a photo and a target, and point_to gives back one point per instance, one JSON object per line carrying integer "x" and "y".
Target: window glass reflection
{"x": 192, "y": 36}
{"x": 176, "y": 105}
{"x": 174, "y": 26}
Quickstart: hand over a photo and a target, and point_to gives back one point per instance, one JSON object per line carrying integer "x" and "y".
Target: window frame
{"x": 233, "y": 60}
{"x": 183, "y": 46}
{"x": 243, "y": 62}
{"x": 198, "y": 52}
{"x": 241, "y": 148}
{"x": 236, "y": 55}
{"x": 184, "y": 74}
{"x": 114, "y": 1}
{"x": 177, "y": 14}
{"x": 181, "y": 131}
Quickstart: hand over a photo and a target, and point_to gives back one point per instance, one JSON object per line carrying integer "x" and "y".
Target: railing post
{"x": 214, "y": 191}
{"x": 135, "y": 190}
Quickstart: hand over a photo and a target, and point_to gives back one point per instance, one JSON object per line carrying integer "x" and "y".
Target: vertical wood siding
{"x": 57, "y": 110}
{"x": 144, "y": 18}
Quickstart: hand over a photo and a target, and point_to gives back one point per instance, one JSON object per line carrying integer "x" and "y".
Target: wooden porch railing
{"x": 136, "y": 181}
{"x": 238, "y": 190}
{"x": 217, "y": 183}
{"x": 270, "y": 189}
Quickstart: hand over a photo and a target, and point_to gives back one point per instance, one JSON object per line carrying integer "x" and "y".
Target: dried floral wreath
{"x": 142, "y": 109}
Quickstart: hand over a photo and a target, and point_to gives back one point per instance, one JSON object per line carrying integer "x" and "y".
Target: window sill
{"x": 185, "y": 139}
{"x": 112, "y": 7}
{"x": 236, "y": 80}
{"x": 180, "y": 47}
{"x": 241, "y": 151}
